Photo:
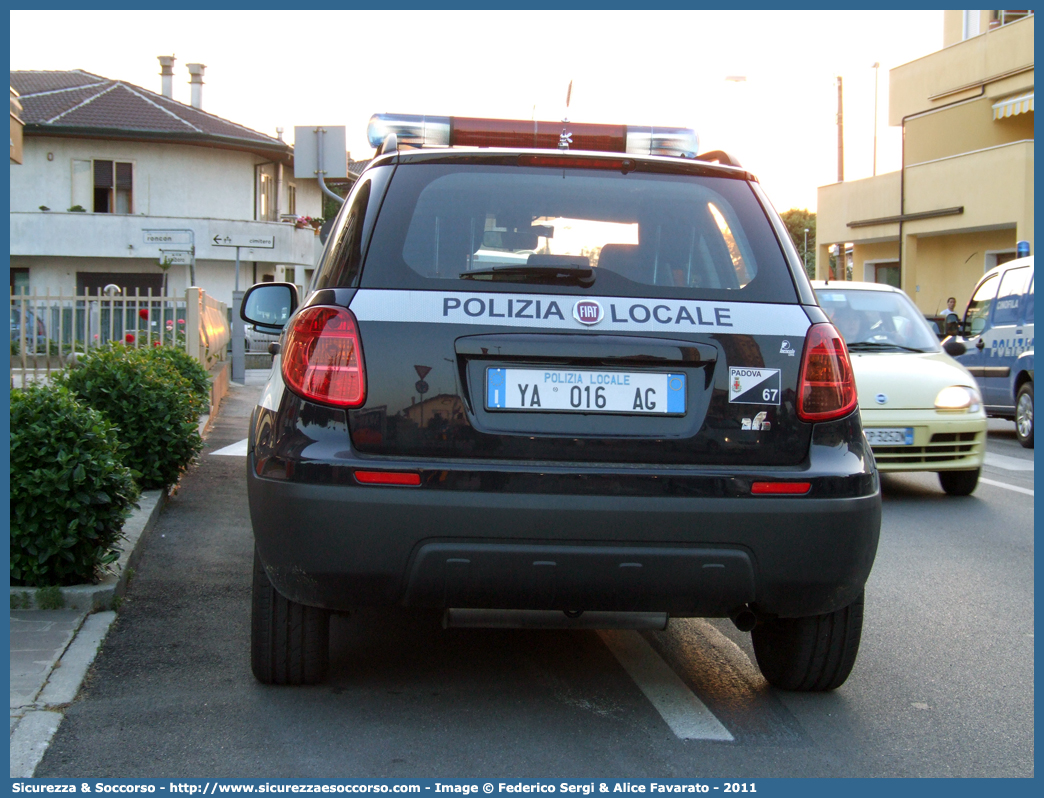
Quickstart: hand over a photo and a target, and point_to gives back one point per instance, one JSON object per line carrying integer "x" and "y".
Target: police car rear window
{"x": 452, "y": 225}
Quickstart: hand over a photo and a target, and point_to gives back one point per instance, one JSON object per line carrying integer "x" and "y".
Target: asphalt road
{"x": 943, "y": 685}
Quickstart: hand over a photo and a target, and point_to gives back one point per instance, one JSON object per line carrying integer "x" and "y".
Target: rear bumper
{"x": 479, "y": 539}
{"x": 381, "y": 546}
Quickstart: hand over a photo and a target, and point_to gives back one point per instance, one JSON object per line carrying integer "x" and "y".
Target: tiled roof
{"x": 355, "y": 168}
{"x": 78, "y": 99}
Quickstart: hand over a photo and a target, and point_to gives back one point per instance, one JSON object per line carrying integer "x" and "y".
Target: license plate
{"x": 585, "y": 391}
{"x": 897, "y": 436}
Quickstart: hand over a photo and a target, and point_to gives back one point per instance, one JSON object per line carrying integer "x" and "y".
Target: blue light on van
{"x": 1022, "y": 249}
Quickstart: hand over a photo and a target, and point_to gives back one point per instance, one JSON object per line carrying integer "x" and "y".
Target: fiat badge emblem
{"x": 587, "y": 311}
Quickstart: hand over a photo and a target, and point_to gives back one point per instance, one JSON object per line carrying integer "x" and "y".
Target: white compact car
{"x": 921, "y": 409}
{"x": 257, "y": 341}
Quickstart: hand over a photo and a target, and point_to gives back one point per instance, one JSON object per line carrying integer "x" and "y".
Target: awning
{"x": 1013, "y": 105}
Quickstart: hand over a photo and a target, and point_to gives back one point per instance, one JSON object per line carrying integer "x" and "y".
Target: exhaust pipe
{"x": 552, "y": 619}
{"x": 744, "y": 618}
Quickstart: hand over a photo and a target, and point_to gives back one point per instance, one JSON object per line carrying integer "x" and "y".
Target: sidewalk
{"x": 52, "y": 650}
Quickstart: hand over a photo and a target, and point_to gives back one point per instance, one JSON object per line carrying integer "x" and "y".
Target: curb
{"x": 34, "y": 730}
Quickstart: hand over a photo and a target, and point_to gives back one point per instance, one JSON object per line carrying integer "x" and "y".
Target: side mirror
{"x": 953, "y": 347}
{"x": 269, "y": 305}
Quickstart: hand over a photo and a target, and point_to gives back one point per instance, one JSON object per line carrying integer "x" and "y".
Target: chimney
{"x": 196, "y": 84}
{"x": 167, "y": 75}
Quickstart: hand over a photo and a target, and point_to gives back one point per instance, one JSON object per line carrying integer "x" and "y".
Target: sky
{"x": 288, "y": 67}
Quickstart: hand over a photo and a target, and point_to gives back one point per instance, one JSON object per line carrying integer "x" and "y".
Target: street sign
{"x": 167, "y": 236}
{"x": 421, "y": 386}
{"x": 422, "y": 371}
{"x": 175, "y": 257}
{"x": 306, "y": 151}
{"x": 254, "y": 242}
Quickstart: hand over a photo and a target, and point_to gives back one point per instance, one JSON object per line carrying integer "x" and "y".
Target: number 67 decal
{"x": 754, "y": 386}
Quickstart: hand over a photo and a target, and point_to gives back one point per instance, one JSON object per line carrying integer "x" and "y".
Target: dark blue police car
{"x": 559, "y": 375}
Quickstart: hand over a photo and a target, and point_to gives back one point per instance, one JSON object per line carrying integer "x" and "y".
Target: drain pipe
{"x": 319, "y": 131}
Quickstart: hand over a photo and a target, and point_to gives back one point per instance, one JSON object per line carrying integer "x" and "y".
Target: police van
{"x": 998, "y": 336}
{"x": 566, "y": 376}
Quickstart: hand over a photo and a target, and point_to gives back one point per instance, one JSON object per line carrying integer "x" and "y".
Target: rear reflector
{"x": 387, "y": 478}
{"x": 826, "y": 389}
{"x": 780, "y": 488}
{"x": 322, "y": 359}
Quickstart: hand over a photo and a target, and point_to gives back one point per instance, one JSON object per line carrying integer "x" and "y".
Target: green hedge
{"x": 70, "y": 491}
{"x": 152, "y": 404}
{"x": 190, "y": 369}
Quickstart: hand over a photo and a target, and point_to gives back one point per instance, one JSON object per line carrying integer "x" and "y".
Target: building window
{"x": 887, "y": 273}
{"x": 131, "y": 284}
{"x": 113, "y": 184}
{"x": 19, "y": 281}
{"x": 291, "y": 199}
{"x": 1007, "y": 17}
{"x": 266, "y": 194}
{"x": 103, "y": 186}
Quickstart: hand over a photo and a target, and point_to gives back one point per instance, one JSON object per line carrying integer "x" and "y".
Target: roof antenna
{"x": 566, "y": 138}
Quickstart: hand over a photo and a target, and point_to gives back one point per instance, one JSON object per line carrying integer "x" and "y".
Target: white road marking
{"x": 235, "y": 450}
{"x": 1005, "y": 485}
{"x": 687, "y": 716}
{"x": 1008, "y": 463}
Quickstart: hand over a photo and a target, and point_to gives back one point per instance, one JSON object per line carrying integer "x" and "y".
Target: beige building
{"x": 964, "y": 196}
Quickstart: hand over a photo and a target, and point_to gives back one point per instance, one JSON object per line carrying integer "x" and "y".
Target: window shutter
{"x": 103, "y": 174}
{"x": 124, "y": 176}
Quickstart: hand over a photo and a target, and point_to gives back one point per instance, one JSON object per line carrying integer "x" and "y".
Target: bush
{"x": 70, "y": 491}
{"x": 190, "y": 369}
{"x": 150, "y": 403}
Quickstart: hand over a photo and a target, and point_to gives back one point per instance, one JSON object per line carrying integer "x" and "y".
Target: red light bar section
{"x": 471, "y": 132}
{"x": 780, "y": 488}
{"x": 387, "y": 478}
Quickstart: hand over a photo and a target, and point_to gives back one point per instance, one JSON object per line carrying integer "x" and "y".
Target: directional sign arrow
{"x": 248, "y": 241}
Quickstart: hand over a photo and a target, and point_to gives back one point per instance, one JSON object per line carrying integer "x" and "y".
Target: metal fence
{"x": 48, "y": 329}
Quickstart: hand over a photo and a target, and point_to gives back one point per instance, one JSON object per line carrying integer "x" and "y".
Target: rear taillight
{"x": 826, "y": 389}
{"x": 322, "y": 359}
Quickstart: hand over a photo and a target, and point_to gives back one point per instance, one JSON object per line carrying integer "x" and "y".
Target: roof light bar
{"x": 458, "y": 131}
{"x": 410, "y": 129}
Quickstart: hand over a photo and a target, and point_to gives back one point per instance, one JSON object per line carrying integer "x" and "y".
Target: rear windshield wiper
{"x": 877, "y": 346}
{"x": 543, "y": 269}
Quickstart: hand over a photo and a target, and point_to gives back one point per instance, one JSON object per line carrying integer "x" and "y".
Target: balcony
{"x": 102, "y": 235}
{"x": 996, "y": 63}
{"x": 994, "y": 186}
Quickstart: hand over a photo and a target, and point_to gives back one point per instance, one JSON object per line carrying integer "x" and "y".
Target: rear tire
{"x": 289, "y": 642}
{"x": 959, "y": 483}
{"x": 1024, "y": 415}
{"x": 809, "y": 654}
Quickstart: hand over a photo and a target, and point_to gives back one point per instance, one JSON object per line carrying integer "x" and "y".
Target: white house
{"x": 106, "y": 164}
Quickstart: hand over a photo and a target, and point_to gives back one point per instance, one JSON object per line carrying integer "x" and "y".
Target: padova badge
{"x": 754, "y": 386}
